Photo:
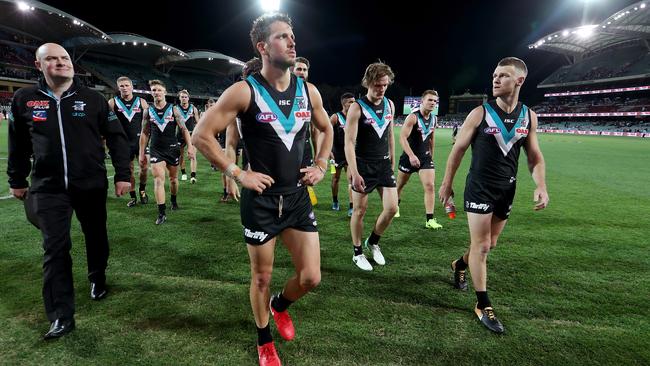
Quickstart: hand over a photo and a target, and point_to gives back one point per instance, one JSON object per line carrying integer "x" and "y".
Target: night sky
{"x": 451, "y": 46}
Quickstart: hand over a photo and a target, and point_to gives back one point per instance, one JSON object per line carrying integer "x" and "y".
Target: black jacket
{"x": 65, "y": 138}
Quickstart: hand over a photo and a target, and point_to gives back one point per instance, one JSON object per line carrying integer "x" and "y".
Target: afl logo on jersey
{"x": 492, "y": 130}
{"x": 266, "y": 117}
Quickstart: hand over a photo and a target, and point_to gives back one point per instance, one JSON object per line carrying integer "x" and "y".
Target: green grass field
{"x": 571, "y": 283}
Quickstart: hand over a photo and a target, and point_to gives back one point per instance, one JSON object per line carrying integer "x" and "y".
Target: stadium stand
{"x": 101, "y": 58}
{"x": 605, "y": 88}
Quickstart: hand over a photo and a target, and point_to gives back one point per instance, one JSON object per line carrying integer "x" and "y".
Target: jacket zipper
{"x": 61, "y": 136}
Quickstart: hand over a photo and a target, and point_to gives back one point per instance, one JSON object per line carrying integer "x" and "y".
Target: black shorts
{"x": 484, "y": 198}
{"x": 406, "y": 167}
{"x": 339, "y": 158}
{"x": 265, "y": 216}
{"x": 376, "y": 173}
{"x": 170, "y": 155}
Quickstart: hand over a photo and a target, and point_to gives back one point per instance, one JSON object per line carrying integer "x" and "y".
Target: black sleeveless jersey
{"x": 163, "y": 127}
{"x": 188, "y": 117}
{"x": 130, "y": 115}
{"x": 273, "y": 130}
{"x": 373, "y": 131}
{"x": 421, "y": 134}
{"x": 497, "y": 143}
{"x": 339, "y": 133}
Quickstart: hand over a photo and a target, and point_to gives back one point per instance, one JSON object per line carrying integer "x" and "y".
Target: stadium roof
{"x": 141, "y": 49}
{"x": 48, "y": 24}
{"x": 628, "y": 24}
{"x": 210, "y": 61}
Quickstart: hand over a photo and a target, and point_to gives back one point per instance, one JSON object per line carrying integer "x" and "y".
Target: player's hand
{"x": 313, "y": 175}
{"x": 20, "y": 193}
{"x": 358, "y": 184}
{"x": 142, "y": 159}
{"x": 255, "y": 181}
{"x": 233, "y": 189}
{"x": 541, "y": 199}
{"x": 445, "y": 192}
{"x": 415, "y": 162}
{"x": 122, "y": 188}
{"x": 191, "y": 151}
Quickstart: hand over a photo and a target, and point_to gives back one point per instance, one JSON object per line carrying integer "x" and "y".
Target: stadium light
{"x": 270, "y": 5}
{"x": 586, "y": 31}
{"x": 565, "y": 33}
{"x": 642, "y": 6}
{"x": 22, "y": 6}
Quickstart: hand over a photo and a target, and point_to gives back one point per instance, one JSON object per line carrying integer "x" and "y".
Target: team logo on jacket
{"x": 266, "y": 117}
{"x": 39, "y": 116}
{"x": 79, "y": 106}
{"x": 39, "y": 104}
{"x": 491, "y": 130}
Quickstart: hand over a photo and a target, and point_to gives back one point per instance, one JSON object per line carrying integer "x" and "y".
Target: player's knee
{"x": 359, "y": 210}
{"x": 309, "y": 281}
{"x": 262, "y": 280}
{"x": 483, "y": 247}
{"x": 391, "y": 210}
{"x": 429, "y": 187}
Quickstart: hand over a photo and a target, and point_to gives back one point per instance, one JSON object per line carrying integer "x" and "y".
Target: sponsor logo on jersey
{"x": 369, "y": 121}
{"x": 522, "y": 131}
{"x": 388, "y": 117}
{"x": 477, "y": 206}
{"x": 266, "y": 117}
{"x": 255, "y": 235}
{"x": 302, "y": 104}
{"x": 284, "y": 102}
{"x": 39, "y": 104}
{"x": 302, "y": 114}
{"x": 492, "y": 130}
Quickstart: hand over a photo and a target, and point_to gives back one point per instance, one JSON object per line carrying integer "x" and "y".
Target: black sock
{"x": 429, "y": 216}
{"x": 142, "y": 187}
{"x": 350, "y": 205}
{"x": 183, "y": 171}
{"x": 335, "y": 199}
{"x": 225, "y": 192}
{"x": 173, "y": 199}
{"x": 132, "y": 194}
{"x": 399, "y": 201}
{"x": 374, "y": 238}
{"x": 264, "y": 335}
{"x": 193, "y": 174}
{"x": 358, "y": 250}
{"x": 280, "y": 303}
{"x": 161, "y": 209}
{"x": 460, "y": 264}
{"x": 483, "y": 300}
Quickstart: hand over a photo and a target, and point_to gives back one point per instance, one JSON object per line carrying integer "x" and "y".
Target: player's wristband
{"x": 233, "y": 171}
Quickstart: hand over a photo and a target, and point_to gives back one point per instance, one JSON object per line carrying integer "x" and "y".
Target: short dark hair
{"x": 261, "y": 31}
{"x": 346, "y": 96}
{"x": 518, "y": 63}
{"x": 251, "y": 66}
{"x": 303, "y": 60}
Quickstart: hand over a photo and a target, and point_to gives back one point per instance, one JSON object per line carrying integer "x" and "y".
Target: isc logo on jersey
{"x": 266, "y": 117}
{"x": 492, "y": 130}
